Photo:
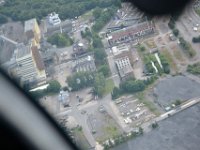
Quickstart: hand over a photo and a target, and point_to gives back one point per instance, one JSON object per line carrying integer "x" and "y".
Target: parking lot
{"x": 180, "y": 132}
{"x": 134, "y": 112}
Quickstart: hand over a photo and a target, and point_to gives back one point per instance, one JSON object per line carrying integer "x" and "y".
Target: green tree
{"x": 97, "y": 12}
{"x": 187, "y": 47}
{"x": 97, "y": 43}
{"x": 141, "y": 130}
{"x": 100, "y": 56}
{"x": 80, "y": 80}
{"x": 3, "y": 19}
{"x": 21, "y": 10}
{"x": 171, "y": 24}
{"x": 116, "y": 93}
{"x": 194, "y": 69}
{"x": 60, "y": 40}
{"x": 177, "y": 102}
{"x": 99, "y": 84}
{"x": 83, "y": 34}
{"x": 132, "y": 86}
{"x": 54, "y": 86}
{"x": 154, "y": 125}
{"x": 176, "y": 32}
{"x": 105, "y": 70}
{"x": 165, "y": 64}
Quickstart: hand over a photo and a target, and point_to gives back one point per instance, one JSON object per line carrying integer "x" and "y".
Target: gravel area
{"x": 178, "y": 87}
{"x": 180, "y": 132}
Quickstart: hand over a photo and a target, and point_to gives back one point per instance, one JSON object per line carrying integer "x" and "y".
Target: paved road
{"x": 113, "y": 68}
{"x": 81, "y": 119}
{"x": 90, "y": 107}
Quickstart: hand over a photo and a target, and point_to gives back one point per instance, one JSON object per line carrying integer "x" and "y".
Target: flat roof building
{"x": 124, "y": 61}
{"x": 54, "y": 19}
{"x": 85, "y": 63}
{"x": 32, "y": 31}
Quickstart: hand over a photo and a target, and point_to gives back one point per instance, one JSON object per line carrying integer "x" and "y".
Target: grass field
{"x": 109, "y": 86}
{"x": 177, "y": 54}
{"x": 87, "y": 15}
{"x": 170, "y": 59}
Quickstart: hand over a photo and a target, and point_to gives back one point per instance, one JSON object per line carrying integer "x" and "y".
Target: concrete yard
{"x": 175, "y": 88}
{"x": 180, "y": 132}
{"x": 103, "y": 125}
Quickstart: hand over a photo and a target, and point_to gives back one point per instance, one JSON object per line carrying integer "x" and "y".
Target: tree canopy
{"x": 23, "y": 9}
{"x": 99, "y": 84}
{"x": 194, "y": 69}
{"x": 80, "y": 80}
{"x": 3, "y": 19}
{"x": 54, "y": 87}
{"x": 60, "y": 40}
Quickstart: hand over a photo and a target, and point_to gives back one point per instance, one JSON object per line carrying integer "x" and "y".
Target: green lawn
{"x": 87, "y": 15}
{"x": 109, "y": 86}
{"x": 178, "y": 54}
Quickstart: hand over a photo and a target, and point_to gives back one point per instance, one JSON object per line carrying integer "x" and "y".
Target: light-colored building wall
{"x": 122, "y": 62}
{"x": 32, "y": 26}
{"x": 27, "y": 67}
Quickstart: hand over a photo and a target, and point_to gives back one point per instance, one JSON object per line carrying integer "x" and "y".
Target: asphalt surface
{"x": 179, "y": 132}
{"x": 178, "y": 87}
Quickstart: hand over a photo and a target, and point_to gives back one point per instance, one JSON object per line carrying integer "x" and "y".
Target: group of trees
{"x": 82, "y": 80}
{"x": 165, "y": 64}
{"x": 148, "y": 59}
{"x": 104, "y": 69}
{"x": 175, "y": 32}
{"x": 60, "y": 40}
{"x": 99, "y": 84}
{"x": 172, "y": 25}
{"x": 194, "y": 69}
{"x": 3, "y": 19}
{"x": 154, "y": 125}
{"x": 22, "y": 9}
{"x": 102, "y": 16}
{"x": 122, "y": 138}
{"x": 53, "y": 88}
{"x": 196, "y": 39}
{"x": 132, "y": 86}
{"x": 98, "y": 49}
{"x": 87, "y": 34}
{"x": 187, "y": 47}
